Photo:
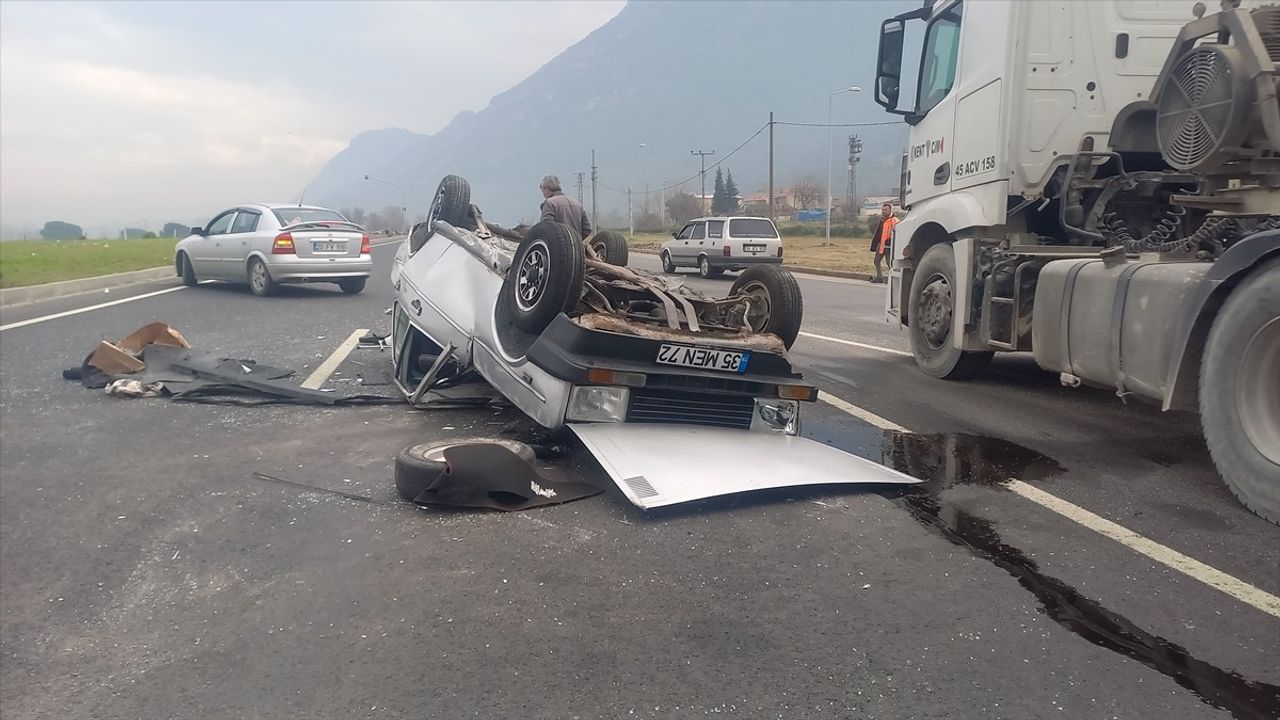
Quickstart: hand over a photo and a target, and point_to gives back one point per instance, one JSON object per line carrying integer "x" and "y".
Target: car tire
{"x": 705, "y": 269}
{"x": 451, "y": 203}
{"x": 1240, "y": 392}
{"x": 780, "y": 306}
{"x": 260, "y": 282}
{"x": 418, "y": 466}
{"x": 352, "y": 286}
{"x": 188, "y": 272}
{"x": 611, "y": 247}
{"x": 668, "y": 265}
{"x": 546, "y": 276}
{"x": 929, "y": 316}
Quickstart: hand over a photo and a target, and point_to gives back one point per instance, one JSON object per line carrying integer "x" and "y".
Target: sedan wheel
{"x": 260, "y": 282}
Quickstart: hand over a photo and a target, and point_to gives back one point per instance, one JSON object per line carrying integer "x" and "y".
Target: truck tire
{"x": 1240, "y": 392}
{"x": 930, "y": 309}
{"x": 611, "y": 247}
{"x": 451, "y": 203}
{"x": 418, "y": 466}
{"x": 546, "y": 276}
{"x": 780, "y": 306}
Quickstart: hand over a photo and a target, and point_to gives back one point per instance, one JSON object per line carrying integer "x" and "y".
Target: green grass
{"x": 844, "y": 254}
{"x": 30, "y": 262}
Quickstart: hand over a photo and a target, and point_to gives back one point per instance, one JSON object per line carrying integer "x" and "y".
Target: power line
{"x": 698, "y": 174}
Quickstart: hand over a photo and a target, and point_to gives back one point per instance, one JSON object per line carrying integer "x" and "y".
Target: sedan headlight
{"x": 775, "y": 415}
{"x": 594, "y": 403}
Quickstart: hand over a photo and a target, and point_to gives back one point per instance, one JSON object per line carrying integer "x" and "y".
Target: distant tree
{"x": 132, "y": 233}
{"x": 59, "y": 230}
{"x": 148, "y": 235}
{"x": 719, "y": 202}
{"x": 356, "y": 215}
{"x": 730, "y": 193}
{"x": 682, "y": 207}
{"x": 175, "y": 230}
{"x": 807, "y": 193}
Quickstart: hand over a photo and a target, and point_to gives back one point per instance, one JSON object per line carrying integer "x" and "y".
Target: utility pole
{"x": 662, "y": 206}
{"x": 631, "y": 218}
{"x": 851, "y": 192}
{"x": 702, "y": 155}
{"x": 771, "y": 165}
{"x": 594, "y": 224}
{"x": 580, "y": 174}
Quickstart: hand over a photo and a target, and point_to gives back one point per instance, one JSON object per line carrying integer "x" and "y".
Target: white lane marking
{"x": 391, "y": 242}
{"x": 861, "y": 413}
{"x": 99, "y": 306}
{"x": 331, "y": 363}
{"x": 1211, "y": 576}
{"x": 1244, "y": 592}
{"x": 864, "y": 346}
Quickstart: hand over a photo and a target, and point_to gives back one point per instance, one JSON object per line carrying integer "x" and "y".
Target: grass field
{"x": 846, "y": 254}
{"x": 30, "y": 262}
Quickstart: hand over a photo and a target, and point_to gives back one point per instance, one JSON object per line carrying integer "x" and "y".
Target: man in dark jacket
{"x": 563, "y": 209}
{"x": 881, "y": 236}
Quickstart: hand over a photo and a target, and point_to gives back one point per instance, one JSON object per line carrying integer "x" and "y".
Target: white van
{"x": 716, "y": 244}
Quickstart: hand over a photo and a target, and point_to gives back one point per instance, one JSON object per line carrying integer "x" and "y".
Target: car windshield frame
{"x": 307, "y": 216}
{"x": 736, "y": 223}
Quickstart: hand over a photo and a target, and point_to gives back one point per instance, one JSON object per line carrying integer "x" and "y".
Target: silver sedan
{"x": 266, "y": 245}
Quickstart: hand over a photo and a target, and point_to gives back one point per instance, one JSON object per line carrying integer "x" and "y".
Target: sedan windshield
{"x": 296, "y": 215}
{"x": 752, "y": 228}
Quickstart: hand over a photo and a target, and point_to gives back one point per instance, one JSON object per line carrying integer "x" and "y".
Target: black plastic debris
{"x": 497, "y": 475}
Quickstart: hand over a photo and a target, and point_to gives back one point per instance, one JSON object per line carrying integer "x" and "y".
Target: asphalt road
{"x": 146, "y": 573}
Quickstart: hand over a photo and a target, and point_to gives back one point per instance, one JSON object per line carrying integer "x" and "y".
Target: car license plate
{"x": 319, "y": 246}
{"x": 703, "y": 358}
{"x": 753, "y": 248}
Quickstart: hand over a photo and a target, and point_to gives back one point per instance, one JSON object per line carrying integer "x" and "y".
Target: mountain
{"x": 675, "y": 76}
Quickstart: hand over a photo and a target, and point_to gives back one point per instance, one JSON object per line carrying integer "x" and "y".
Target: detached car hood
{"x": 657, "y": 465}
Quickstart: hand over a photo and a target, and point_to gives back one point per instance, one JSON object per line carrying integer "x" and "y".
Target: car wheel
{"x": 260, "y": 282}
{"x": 546, "y": 276}
{"x": 611, "y": 247}
{"x": 668, "y": 265}
{"x": 352, "y": 286}
{"x": 451, "y": 204}
{"x": 1240, "y": 392}
{"x": 777, "y": 306}
{"x": 188, "y": 272}
{"x": 705, "y": 269}
{"x": 418, "y": 466}
{"x": 930, "y": 312}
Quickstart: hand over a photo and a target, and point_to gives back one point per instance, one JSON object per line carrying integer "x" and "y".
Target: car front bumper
{"x": 290, "y": 268}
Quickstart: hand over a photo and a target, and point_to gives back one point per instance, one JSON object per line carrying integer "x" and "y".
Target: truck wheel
{"x": 929, "y": 315}
{"x": 546, "y": 276}
{"x": 1240, "y": 392}
{"x": 419, "y": 465}
{"x": 451, "y": 203}
{"x": 777, "y": 306}
{"x": 611, "y": 247}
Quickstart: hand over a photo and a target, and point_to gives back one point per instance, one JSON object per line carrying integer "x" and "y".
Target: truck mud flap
{"x": 658, "y": 465}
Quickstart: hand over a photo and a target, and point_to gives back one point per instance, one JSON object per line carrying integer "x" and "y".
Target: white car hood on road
{"x": 657, "y": 465}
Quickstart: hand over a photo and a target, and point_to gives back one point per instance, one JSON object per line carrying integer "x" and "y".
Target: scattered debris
{"x": 480, "y": 473}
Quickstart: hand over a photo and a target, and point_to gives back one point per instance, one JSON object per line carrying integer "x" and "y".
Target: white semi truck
{"x": 1098, "y": 183}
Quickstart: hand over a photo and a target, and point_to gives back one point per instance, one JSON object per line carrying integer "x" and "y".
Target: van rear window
{"x": 752, "y": 228}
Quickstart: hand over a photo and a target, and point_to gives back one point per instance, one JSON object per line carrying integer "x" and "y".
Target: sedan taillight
{"x": 365, "y": 246}
{"x": 779, "y": 251}
{"x": 728, "y": 252}
{"x": 283, "y": 245}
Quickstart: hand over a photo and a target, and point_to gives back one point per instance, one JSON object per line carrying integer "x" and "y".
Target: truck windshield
{"x": 941, "y": 48}
{"x": 752, "y": 228}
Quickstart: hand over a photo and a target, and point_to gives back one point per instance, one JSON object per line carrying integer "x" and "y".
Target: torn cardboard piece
{"x": 122, "y": 357}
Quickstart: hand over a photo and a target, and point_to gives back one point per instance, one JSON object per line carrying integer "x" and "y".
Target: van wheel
{"x": 260, "y": 282}
{"x": 705, "y": 269}
{"x": 546, "y": 276}
{"x": 1240, "y": 392}
{"x": 930, "y": 310}
{"x": 777, "y": 306}
{"x": 188, "y": 272}
{"x": 611, "y": 247}
{"x": 668, "y": 265}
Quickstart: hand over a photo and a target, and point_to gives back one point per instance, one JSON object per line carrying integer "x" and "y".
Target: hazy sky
{"x": 120, "y": 113}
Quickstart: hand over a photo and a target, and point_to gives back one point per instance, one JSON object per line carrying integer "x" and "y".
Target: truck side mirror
{"x": 889, "y": 64}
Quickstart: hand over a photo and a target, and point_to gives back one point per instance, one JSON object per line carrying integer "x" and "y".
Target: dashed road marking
{"x": 331, "y": 363}
{"x": 864, "y": 346}
{"x": 1244, "y": 592}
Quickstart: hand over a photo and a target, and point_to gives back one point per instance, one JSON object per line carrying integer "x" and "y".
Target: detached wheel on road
{"x": 546, "y": 276}
{"x": 705, "y": 269}
{"x": 1240, "y": 392}
{"x": 188, "y": 272}
{"x": 260, "y": 282}
{"x": 352, "y": 286}
{"x": 930, "y": 311}
{"x": 451, "y": 204}
{"x": 777, "y": 306}
{"x": 611, "y": 247}
{"x": 668, "y": 265}
{"x": 420, "y": 465}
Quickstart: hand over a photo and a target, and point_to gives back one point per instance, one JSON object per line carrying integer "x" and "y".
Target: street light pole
{"x": 404, "y": 207}
{"x": 702, "y": 154}
{"x": 830, "y": 149}
{"x": 631, "y": 218}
